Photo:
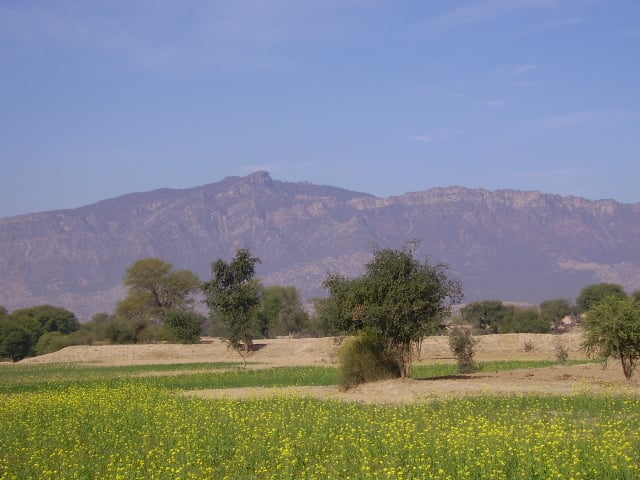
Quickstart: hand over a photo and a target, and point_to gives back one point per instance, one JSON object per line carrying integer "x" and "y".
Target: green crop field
{"x": 68, "y": 422}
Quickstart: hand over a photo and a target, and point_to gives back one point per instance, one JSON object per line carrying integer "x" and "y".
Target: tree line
{"x": 164, "y": 304}
{"x": 389, "y": 310}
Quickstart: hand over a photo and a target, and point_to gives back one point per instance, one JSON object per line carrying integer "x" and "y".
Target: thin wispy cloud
{"x": 554, "y": 25}
{"x": 590, "y": 118}
{"x": 515, "y": 71}
{"x": 438, "y": 135}
{"x": 145, "y": 38}
{"x": 495, "y": 103}
{"x": 482, "y": 12}
{"x": 516, "y": 75}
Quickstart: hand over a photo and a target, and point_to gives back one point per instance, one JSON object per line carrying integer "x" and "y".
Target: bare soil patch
{"x": 562, "y": 380}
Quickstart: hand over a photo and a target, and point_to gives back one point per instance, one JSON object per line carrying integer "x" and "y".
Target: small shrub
{"x": 462, "y": 344}
{"x": 364, "y": 358}
{"x": 562, "y": 352}
{"x": 528, "y": 345}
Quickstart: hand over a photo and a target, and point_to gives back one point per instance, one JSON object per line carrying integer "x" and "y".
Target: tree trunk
{"x": 406, "y": 359}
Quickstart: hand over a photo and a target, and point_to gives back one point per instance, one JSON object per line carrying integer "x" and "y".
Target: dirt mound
{"x": 277, "y": 352}
{"x": 560, "y": 380}
{"x": 307, "y": 351}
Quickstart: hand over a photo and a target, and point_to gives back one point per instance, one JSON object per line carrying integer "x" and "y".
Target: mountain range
{"x": 506, "y": 244}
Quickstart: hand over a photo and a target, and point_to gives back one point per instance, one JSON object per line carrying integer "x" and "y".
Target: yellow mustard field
{"x": 138, "y": 431}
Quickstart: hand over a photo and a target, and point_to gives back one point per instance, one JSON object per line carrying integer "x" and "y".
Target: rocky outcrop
{"x": 512, "y": 245}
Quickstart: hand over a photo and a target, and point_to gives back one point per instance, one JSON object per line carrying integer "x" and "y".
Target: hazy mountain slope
{"x": 506, "y": 244}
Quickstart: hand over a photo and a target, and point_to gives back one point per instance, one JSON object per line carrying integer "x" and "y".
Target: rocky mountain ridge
{"x": 511, "y": 245}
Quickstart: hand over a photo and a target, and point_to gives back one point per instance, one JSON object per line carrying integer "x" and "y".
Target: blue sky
{"x": 99, "y": 99}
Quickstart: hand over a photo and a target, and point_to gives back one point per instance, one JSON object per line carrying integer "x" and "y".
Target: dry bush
{"x": 365, "y": 358}
{"x": 462, "y": 344}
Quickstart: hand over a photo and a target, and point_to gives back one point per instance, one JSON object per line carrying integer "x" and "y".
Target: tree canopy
{"x": 232, "y": 295}
{"x": 157, "y": 292}
{"x": 592, "y": 294}
{"x": 398, "y": 299}
{"x": 612, "y": 330}
{"x": 155, "y": 288}
{"x": 21, "y": 330}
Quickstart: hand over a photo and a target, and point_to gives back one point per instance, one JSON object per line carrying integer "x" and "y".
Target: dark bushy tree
{"x": 592, "y": 294}
{"x": 184, "y": 326}
{"x": 232, "y": 296}
{"x": 50, "y": 318}
{"x": 398, "y": 299}
{"x": 15, "y": 341}
{"x": 23, "y": 328}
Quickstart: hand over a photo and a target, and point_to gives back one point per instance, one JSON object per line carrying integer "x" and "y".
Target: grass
{"x": 449, "y": 369}
{"x": 34, "y": 378}
{"x": 37, "y": 378}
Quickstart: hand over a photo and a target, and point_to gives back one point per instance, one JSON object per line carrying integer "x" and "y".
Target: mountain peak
{"x": 511, "y": 245}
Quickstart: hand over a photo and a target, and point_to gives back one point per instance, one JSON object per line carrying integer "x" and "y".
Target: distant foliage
{"x": 553, "y": 311}
{"x": 485, "y": 316}
{"x": 525, "y": 321}
{"x": 53, "y": 341}
{"x": 492, "y": 316}
{"x": 593, "y": 294}
{"x": 184, "y": 326}
{"x": 22, "y": 329}
{"x": 280, "y": 311}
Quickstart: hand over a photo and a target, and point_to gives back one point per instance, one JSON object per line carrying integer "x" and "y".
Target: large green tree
{"x": 50, "y": 318}
{"x": 398, "y": 299}
{"x": 155, "y": 288}
{"x": 592, "y": 294}
{"x": 15, "y": 341}
{"x": 612, "y": 330}
{"x": 232, "y": 295}
{"x": 22, "y": 329}
{"x": 156, "y": 292}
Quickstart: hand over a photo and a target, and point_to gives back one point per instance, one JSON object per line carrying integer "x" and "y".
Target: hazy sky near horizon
{"x": 103, "y": 98}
